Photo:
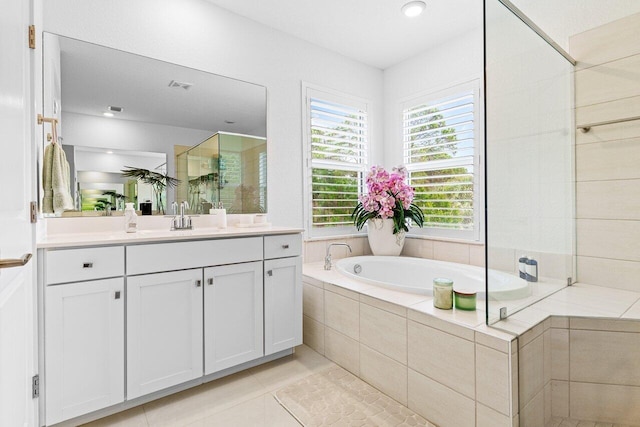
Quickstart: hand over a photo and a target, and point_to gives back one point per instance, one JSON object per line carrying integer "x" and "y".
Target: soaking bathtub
{"x": 415, "y": 275}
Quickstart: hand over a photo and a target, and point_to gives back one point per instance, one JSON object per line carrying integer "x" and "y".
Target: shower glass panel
{"x": 228, "y": 168}
{"x": 529, "y": 163}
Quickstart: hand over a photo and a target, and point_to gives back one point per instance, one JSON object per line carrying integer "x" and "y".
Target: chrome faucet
{"x": 181, "y": 222}
{"x": 327, "y": 258}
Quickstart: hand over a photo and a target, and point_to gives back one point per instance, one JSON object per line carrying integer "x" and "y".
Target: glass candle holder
{"x": 464, "y": 300}
{"x": 443, "y": 293}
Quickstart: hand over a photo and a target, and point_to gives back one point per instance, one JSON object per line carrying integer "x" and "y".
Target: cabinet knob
{"x": 285, "y": 246}
{"x": 87, "y": 265}
{"x": 270, "y": 273}
{"x": 198, "y": 283}
{"x": 117, "y": 295}
{"x": 210, "y": 281}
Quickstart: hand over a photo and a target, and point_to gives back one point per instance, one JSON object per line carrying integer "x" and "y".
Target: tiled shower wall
{"x": 441, "y": 250}
{"x": 608, "y": 177}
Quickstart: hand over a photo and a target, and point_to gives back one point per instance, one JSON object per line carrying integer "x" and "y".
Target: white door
{"x": 17, "y": 296}
{"x": 164, "y": 330}
{"x": 84, "y": 347}
{"x": 232, "y": 315}
{"x": 282, "y": 304}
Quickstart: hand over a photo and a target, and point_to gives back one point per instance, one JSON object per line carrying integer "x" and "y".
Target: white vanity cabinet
{"x": 164, "y": 330}
{"x": 233, "y": 310}
{"x": 166, "y": 312}
{"x": 282, "y": 292}
{"x": 84, "y": 331}
{"x": 180, "y": 311}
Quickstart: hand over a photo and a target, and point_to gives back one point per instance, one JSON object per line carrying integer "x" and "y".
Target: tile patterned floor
{"x": 239, "y": 400}
{"x": 568, "y": 422}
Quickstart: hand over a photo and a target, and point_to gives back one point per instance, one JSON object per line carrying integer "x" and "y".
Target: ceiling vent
{"x": 183, "y": 85}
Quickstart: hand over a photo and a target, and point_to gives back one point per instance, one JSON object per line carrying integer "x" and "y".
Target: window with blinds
{"x": 337, "y": 148}
{"x": 440, "y": 153}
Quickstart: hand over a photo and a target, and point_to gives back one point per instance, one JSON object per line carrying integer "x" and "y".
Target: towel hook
{"x": 54, "y": 126}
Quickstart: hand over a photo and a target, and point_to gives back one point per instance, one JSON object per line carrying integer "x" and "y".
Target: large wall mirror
{"x": 119, "y": 111}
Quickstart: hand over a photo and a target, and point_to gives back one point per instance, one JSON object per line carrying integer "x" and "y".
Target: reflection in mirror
{"x": 100, "y": 185}
{"x": 135, "y": 107}
{"x": 226, "y": 168}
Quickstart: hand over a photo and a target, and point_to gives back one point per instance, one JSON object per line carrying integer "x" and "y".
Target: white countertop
{"x": 63, "y": 240}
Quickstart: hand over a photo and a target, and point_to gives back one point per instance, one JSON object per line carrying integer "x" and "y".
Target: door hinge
{"x": 33, "y": 212}
{"x": 32, "y": 36}
{"x": 35, "y": 386}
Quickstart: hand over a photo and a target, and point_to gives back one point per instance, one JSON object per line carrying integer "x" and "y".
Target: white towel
{"x": 55, "y": 180}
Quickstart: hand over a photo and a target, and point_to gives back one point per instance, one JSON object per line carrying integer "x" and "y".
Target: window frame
{"x": 318, "y": 92}
{"x": 433, "y": 97}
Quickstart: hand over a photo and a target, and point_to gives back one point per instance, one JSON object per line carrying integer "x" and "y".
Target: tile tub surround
{"x": 575, "y": 347}
{"x": 536, "y": 367}
{"x": 438, "y": 249}
{"x": 580, "y": 368}
{"x": 428, "y": 359}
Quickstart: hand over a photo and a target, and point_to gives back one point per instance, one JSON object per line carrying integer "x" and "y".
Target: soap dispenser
{"x": 130, "y": 218}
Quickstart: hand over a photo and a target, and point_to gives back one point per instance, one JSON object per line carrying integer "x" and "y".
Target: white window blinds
{"x": 338, "y": 144}
{"x": 440, "y": 152}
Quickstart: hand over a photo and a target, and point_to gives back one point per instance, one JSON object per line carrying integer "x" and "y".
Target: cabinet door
{"x": 232, "y": 315}
{"x": 164, "y": 330}
{"x": 282, "y": 304}
{"x": 84, "y": 346}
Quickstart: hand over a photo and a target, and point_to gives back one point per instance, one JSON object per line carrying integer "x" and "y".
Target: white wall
{"x": 112, "y": 163}
{"x": 458, "y": 61}
{"x": 197, "y": 34}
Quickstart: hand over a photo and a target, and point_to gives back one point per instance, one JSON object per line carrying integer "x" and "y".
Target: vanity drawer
{"x": 282, "y": 246}
{"x": 154, "y": 258}
{"x": 74, "y": 265}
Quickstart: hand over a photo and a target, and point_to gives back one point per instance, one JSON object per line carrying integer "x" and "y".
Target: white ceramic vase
{"x": 381, "y": 238}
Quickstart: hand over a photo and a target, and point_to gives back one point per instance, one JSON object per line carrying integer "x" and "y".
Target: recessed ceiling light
{"x": 109, "y": 152}
{"x": 107, "y": 114}
{"x": 413, "y": 8}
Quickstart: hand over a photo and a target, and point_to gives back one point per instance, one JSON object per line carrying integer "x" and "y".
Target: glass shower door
{"x": 529, "y": 165}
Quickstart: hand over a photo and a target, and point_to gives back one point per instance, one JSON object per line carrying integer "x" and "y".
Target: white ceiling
{"x": 375, "y": 32}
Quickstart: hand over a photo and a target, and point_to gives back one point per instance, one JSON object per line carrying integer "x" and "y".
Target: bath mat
{"x": 335, "y": 397}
